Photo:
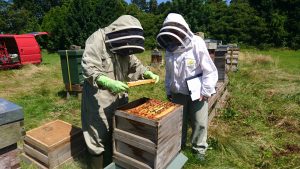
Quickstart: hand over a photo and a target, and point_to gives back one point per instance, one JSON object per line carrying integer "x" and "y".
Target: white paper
{"x": 194, "y": 86}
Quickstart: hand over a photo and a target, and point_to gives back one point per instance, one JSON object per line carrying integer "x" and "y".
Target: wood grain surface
{"x": 51, "y": 135}
{"x": 140, "y": 82}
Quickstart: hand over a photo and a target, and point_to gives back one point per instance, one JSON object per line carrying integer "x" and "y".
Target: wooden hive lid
{"x": 51, "y": 135}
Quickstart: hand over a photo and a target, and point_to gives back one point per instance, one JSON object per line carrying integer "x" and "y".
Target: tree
{"x": 142, "y": 4}
{"x": 38, "y": 8}
{"x": 73, "y": 23}
{"x": 151, "y": 24}
{"x": 108, "y": 10}
{"x": 54, "y": 23}
{"x": 153, "y": 6}
{"x": 237, "y": 23}
{"x": 16, "y": 21}
{"x": 164, "y": 8}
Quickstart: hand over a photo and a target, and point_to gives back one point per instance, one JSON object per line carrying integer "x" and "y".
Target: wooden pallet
{"x": 73, "y": 90}
{"x": 143, "y": 143}
{"x": 231, "y": 67}
{"x": 9, "y": 157}
{"x": 218, "y": 106}
{"x": 217, "y": 101}
{"x": 53, "y": 144}
{"x": 232, "y": 60}
{"x": 73, "y": 87}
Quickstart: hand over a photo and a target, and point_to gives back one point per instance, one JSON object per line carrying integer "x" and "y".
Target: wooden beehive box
{"x": 156, "y": 57}
{"x": 11, "y": 127}
{"x": 211, "y": 45}
{"x": 212, "y": 54}
{"x": 220, "y": 61}
{"x": 146, "y": 143}
{"x": 11, "y": 133}
{"x": 53, "y": 144}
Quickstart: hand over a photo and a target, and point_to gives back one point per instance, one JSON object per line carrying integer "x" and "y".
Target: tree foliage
{"x": 259, "y": 23}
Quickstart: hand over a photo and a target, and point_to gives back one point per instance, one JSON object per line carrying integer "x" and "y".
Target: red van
{"x": 18, "y": 50}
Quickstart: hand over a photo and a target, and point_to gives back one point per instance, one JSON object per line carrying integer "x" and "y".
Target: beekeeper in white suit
{"x": 188, "y": 57}
{"x": 108, "y": 62}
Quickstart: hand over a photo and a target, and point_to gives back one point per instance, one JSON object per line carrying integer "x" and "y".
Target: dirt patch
{"x": 285, "y": 123}
{"x": 288, "y": 124}
{"x": 270, "y": 92}
{"x": 288, "y": 150}
{"x": 272, "y": 119}
{"x": 252, "y": 133}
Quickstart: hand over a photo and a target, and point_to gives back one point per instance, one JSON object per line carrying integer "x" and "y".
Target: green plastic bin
{"x": 71, "y": 67}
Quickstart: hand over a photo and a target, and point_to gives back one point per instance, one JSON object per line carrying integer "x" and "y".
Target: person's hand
{"x": 149, "y": 75}
{"x": 114, "y": 86}
{"x": 169, "y": 97}
{"x": 203, "y": 98}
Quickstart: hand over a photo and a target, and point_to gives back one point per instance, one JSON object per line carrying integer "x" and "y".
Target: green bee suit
{"x": 98, "y": 104}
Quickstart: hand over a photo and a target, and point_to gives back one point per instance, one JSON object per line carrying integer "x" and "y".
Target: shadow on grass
{"x": 80, "y": 161}
{"x": 62, "y": 94}
{"x": 66, "y": 95}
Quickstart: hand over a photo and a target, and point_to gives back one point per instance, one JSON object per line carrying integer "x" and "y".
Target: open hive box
{"x": 147, "y": 133}
{"x": 52, "y": 144}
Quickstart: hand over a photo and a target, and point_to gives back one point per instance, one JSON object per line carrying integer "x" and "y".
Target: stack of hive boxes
{"x": 11, "y": 122}
{"x": 232, "y": 58}
{"x": 220, "y": 55}
{"x": 141, "y": 143}
{"x": 211, "y": 47}
{"x": 52, "y": 144}
{"x": 156, "y": 58}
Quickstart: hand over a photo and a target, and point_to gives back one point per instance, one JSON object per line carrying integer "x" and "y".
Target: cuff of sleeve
{"x": 168, "y": 92}
{"x": 93, "y": 79}
{"x": 205, "y": 94}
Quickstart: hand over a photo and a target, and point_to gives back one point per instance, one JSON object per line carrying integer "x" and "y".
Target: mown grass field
{"x": 258, "y": 129}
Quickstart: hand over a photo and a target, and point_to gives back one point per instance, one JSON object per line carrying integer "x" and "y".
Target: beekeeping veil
{"x": 175, "y": 33}
{"x": 125, "y": 36}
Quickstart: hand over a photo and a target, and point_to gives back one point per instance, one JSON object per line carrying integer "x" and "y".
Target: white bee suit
{"x": 186, "y": 61}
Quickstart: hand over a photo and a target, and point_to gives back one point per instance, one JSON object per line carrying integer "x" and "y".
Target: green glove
{"x": 114, "y": 86}
{"x": 149, "y": 75}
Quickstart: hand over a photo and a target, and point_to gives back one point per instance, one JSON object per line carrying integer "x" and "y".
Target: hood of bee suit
{"x": 125, "y": 36}
{"x": 175, "y": 33}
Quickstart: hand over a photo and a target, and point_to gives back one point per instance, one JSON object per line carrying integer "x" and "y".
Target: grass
{"x": 259, "y": 128}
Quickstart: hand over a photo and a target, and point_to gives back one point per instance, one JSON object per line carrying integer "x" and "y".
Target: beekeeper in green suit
{"x": 108, "y": 63}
